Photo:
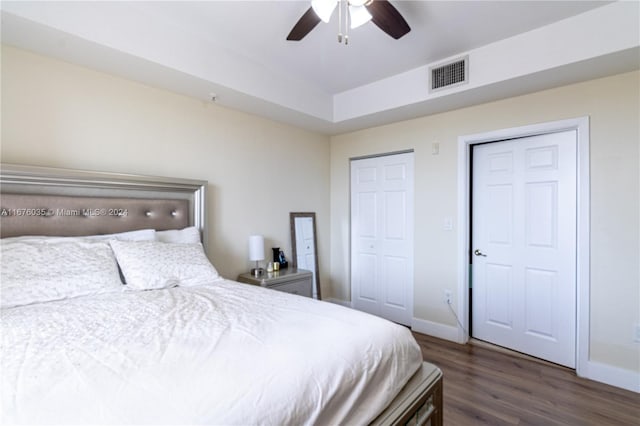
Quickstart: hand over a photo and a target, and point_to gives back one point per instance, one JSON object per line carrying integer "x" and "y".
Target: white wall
{"x": 61, "y": 115}
{"x": 614, "y": 107}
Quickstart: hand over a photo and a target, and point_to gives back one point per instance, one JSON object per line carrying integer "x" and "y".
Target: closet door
{"x": 524, "y": 245}
{"x": 382, "y": 206}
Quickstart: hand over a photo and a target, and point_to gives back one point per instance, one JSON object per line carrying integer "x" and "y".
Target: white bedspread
{"x": 225, "y": 353}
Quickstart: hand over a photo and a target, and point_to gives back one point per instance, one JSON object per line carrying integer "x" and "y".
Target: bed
{"x": 129, "y": 322}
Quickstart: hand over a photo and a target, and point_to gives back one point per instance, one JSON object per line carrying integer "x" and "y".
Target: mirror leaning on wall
{"x": 304, "y": 245}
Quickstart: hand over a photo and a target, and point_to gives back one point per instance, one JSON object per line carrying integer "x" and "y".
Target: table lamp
{"x": 256, "y": 252}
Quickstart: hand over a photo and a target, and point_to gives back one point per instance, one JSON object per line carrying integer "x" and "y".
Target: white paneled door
{"x": 382, "y": 236}
{"x": 524, "y": 245}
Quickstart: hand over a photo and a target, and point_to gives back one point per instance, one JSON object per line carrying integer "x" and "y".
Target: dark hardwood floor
{"x": 485, "y": 386}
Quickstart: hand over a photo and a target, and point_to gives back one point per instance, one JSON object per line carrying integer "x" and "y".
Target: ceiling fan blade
{"x": 305, "y": 24}
{"x": 387, "y": 18}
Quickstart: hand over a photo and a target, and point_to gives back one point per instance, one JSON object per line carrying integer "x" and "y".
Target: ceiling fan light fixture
{"x": 357, "y": 12}
{"x": 324, "y": 8}
{"x": 359, "y": 15}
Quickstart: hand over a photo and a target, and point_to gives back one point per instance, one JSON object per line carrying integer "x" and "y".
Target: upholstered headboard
{"x": 47, "y": 201}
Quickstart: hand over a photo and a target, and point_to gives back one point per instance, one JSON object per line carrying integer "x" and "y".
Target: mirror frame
{"x": 294, "y": 254}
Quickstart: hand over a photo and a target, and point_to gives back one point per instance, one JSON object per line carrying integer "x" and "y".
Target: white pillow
{"x": 42, "y": 271}
{"x": 190, "y": 235}
{"x": 148, "y": 265}
{"x": 140, "y": 235}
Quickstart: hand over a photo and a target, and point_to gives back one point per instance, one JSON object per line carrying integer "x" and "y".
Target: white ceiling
{"x": 439, "y": 29}
{"x": 238, "y": 50}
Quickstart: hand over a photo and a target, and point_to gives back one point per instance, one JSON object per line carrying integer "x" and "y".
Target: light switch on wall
{"x": 448, "y": 224}
{"x": 435, "y": 148}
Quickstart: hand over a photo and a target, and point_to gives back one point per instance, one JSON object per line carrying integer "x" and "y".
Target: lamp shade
{"x": 324, "y": 8}
{"x": 256, "y": 248}
{"x": 359, "y": 16}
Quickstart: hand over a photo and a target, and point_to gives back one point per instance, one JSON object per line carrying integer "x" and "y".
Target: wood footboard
{"x": 419, "y": 403}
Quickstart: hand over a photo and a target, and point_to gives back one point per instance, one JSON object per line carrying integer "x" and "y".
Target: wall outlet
{"x": 447, "y": 297}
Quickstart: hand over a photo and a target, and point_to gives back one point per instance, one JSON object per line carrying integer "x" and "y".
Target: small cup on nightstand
{"x": 276, "y": 266}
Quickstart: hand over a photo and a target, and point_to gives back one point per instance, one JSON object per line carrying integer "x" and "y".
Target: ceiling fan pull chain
{"x": 339, "y": 21}
{"x": 347, "y": 16}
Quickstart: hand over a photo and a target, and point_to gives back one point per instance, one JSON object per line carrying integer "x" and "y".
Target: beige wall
{"x": 61, "y": 115}
{"x": 614, "y": 107}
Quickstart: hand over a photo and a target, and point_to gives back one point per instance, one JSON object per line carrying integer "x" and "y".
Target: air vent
{"x": 450, "y": 74}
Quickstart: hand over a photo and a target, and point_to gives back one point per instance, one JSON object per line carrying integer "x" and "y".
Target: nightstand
{"x": 296, "y": 281}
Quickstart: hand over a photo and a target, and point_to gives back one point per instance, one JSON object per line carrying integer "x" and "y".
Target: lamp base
{"x": 257, "y": 272}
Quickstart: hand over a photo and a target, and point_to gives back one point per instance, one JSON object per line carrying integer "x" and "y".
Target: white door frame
{"x": 581, "y": 125}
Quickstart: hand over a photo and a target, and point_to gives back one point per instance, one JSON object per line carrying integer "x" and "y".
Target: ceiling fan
{"x": 357, "y": 12}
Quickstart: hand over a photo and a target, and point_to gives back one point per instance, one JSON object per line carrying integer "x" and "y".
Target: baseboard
{"x": 614, "y": 376}
{"x": 436, "y": 329}
{"x": 338, "y": 302}
{"x": 603, "y": 373}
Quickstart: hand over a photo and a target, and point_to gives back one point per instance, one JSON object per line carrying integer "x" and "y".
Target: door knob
{"x": 479, "y": 253}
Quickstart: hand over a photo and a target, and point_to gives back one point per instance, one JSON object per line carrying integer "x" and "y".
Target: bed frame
{"x": 48, "y": 201}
